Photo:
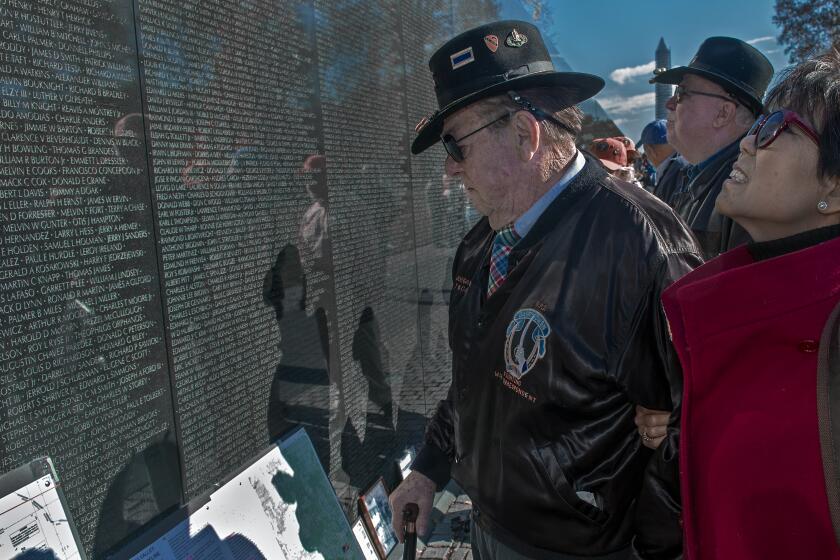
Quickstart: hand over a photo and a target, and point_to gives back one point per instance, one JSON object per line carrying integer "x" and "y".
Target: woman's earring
{"x": 822, "y": 205}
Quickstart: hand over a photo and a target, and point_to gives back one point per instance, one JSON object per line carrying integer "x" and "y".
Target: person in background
{"x": 554, "y": 321}
{"x": 717, "y": 98}
{"x": 612, "y": 154}
{"x": 663, "y": 156}
{"x": 757, "y": 331}
{"x": 632, "y": 153}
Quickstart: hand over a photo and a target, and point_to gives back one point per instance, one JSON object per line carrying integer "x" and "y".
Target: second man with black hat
{"x": 555, "y": 324}
{"x": 717, "y": 98}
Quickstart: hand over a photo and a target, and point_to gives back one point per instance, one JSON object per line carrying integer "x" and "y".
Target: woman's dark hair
{"x": 812, "y": 89}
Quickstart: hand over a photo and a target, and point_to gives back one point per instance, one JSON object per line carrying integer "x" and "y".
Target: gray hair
{"x": 560, "y": 140}
{"x": 744, "y": 116}
{"x": 812, "y": 89}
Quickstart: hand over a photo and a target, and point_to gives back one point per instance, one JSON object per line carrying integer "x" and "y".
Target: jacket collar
{"x": 591, "y": 173}
{"x": 703, "y": 172}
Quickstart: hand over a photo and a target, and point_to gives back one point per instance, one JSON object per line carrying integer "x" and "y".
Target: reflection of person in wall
{"x": 313, "y": 237}
{"x": 368, "y": 351}
{"x": 299, "y": 390}
{"x": 567, "y": 266}
{"x": 362, "y": 460}
{"x": 316, "y": 259}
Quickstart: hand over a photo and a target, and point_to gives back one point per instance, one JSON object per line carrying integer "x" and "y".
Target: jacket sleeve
{"x": 652, "y": 377}
{"x": 644, "y": 363}
{"x": 658, "y": 515}
{"x": 435, "y": 458}
{"x": 658, "y": 521}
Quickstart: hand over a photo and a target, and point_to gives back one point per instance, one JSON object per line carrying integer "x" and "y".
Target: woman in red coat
{"x": 757, "y": 331}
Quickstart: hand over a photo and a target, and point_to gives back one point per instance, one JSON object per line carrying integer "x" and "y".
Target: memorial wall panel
{"x": 82, "y": 355}
{"x": 234, "y": 146}
{"x": 363, "y": 102}
{"x": 436, "y": 200}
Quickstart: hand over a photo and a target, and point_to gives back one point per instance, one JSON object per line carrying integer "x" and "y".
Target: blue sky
{"x": 602, "y": 37}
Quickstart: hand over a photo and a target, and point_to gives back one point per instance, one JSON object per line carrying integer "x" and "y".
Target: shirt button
{"x": 462, "y": 393}
{"x": 808, "y": 346}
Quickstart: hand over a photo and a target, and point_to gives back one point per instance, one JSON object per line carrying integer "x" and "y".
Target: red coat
{"x": 748, "y": 335}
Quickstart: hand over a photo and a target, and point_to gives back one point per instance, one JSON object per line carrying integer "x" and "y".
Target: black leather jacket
{"x": 694, "y": 201}
{"x": 551, "y": 456}
{"x": 671, "y": 178}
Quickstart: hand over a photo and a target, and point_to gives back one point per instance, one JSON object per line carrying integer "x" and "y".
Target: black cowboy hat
{"x": 491, "y": 59}
{"x": 734, "y": 65}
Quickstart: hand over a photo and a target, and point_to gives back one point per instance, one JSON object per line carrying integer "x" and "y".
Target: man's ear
{"x": 726, "y": 114}
{"x": 528, "y": 134}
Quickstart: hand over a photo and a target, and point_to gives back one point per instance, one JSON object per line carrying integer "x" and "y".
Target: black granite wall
{"x": 212, "y": 231}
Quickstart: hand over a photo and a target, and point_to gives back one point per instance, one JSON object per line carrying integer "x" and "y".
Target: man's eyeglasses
{"x": 454, "y": 150}
{"x": 767, "y": 128}
{"x": 451, "y": 146}
{"x": 680, "y": 93}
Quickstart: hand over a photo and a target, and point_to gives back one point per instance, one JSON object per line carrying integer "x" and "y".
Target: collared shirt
{"x": 527, "y": 220}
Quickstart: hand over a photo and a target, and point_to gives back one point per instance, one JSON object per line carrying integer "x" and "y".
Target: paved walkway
{"x": 450, "y": 538}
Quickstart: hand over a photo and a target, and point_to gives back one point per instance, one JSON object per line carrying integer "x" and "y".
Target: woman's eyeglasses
{"x": 767, "y": 128}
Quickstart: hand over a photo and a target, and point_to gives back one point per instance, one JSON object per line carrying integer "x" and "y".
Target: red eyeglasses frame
{"x": 788, "y": 118}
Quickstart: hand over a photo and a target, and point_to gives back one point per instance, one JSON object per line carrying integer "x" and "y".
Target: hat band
{"x": 484, "y": 82}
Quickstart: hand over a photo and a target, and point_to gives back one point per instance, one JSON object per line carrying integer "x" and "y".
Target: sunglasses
{"x": 680, "y": 93}
{"x": 767, "y": 128}
{"x": 452, "y": 148}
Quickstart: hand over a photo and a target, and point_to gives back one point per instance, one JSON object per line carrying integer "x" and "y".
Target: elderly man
{"x": 664, "y": 157}
{"x": 717, "y": 99}
{"x": 555, "y": 323}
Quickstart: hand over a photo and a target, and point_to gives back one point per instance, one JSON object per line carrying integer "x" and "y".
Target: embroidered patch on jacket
{"x": 525, "y": 343}
{"x": 462, "y": 58}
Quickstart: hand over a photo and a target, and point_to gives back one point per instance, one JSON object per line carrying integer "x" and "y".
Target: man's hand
{"x": 415, "y": 488}
{"x": 652, "y": 425}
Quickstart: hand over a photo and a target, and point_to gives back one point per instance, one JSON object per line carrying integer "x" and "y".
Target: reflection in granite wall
{"x": 231, "y": 132}
{"x": 212, "y": 232}
{"x": 82, "y": 354}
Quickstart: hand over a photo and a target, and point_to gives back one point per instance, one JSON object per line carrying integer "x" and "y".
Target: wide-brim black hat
{"x": 734, "y": 65}
{"x": 491, "y": 59}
